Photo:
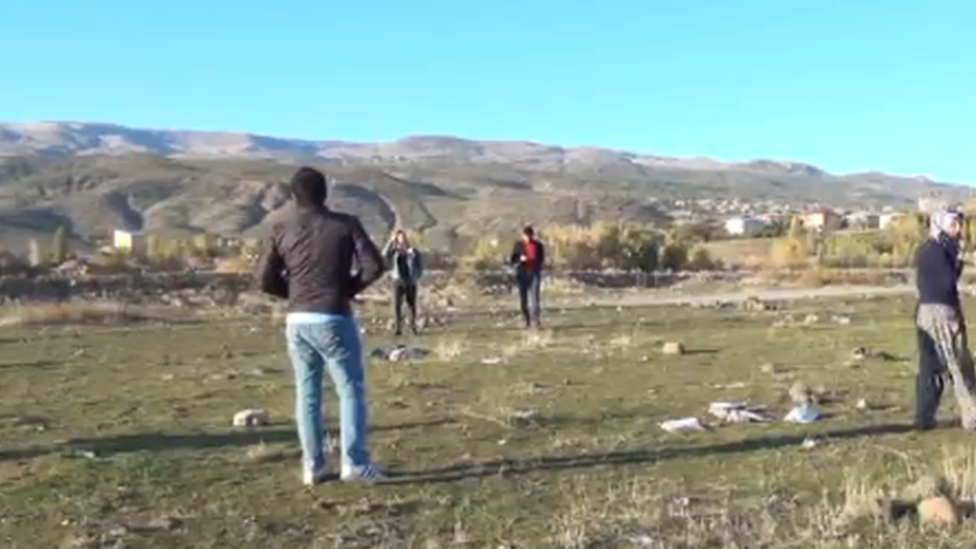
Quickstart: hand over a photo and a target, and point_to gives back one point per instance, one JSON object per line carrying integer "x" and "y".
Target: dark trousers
{"x": 405, "y": 291}
{"x": 943, "y": 357}
{"x": 530, "y": 299}
{"x": 929, "y": 381}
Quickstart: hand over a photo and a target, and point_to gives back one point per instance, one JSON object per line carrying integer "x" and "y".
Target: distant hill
{"x": 93, "y": 178}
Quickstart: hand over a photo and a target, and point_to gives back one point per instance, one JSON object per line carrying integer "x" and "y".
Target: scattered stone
{"x": 80, "y": 541}
{"x": 770, "y": 369}
{"x": 811, "y": 319}
{"x": 379, "y": 353}
{"x": 673, "y": 348}
{"x": 255, "y": 417}
{"x": 860, "y": 353}
{"x": 523, "y": 417}
{"x": 842, "y": 320}
{"x": 164, "y": 523}
{"x": 754, "y": 305}
{"x": 938, "y": 510}
{"x": 862, "y": 404}
{"x": 262, "y": 453}
{"x": 809, "y": 443}
{"x": 404, "y": 354}
{"x": 492, "y": 360}
{"x": 800, "y": 394}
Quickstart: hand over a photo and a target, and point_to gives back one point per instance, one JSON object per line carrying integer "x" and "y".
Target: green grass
{"x": 116, "y": 436}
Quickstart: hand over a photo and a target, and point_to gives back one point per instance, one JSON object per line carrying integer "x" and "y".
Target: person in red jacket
{"x": 529, "y": 257}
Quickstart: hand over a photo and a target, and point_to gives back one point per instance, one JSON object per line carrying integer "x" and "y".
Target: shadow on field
{"x": 583, "y": 461}
{"x": 120, "y": 444}
{"x": 36, "y": 364}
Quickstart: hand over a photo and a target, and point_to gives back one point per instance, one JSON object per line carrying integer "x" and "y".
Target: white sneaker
{"x": 365, "y": 473}
{"x": 311, "y": 478}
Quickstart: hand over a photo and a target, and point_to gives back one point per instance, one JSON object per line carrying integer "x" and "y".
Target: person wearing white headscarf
{"x": 943, "y": 349}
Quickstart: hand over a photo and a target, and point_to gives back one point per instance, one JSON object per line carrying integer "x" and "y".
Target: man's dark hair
{"x": 308, "y": 186}
{"x": 528, "y": 231}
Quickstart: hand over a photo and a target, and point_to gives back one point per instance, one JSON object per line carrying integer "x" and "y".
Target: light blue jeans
{"x": 316, "y": 342}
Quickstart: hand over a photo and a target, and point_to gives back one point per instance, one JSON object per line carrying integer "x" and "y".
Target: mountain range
{"x": 92, "y": 178}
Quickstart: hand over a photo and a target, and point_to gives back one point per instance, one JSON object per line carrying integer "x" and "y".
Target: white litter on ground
{"x": 737, "y": 412}
{"x": 802, "y": 414}
{"x": 684, "y": 424}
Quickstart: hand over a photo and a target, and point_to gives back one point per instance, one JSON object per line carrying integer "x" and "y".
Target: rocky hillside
{"x": 93, "y": 178}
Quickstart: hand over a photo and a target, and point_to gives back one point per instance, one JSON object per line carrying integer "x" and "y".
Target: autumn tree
{"x": 35, "y": 256}
{"x": 674, "y": 256}
{"x": 155, "y": 252}
{"x": 202, "y": 245}
{"x": 905, "y": 234}
{"x": 59, "y": 246}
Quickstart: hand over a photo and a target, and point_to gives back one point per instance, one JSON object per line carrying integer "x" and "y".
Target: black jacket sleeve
{"x": 368, "y": 257}
{"x": 937, "y": 276}
{"x": 516, "y": 256}
{"x": 270, "y": 272}
{"x": 542, "y": 255}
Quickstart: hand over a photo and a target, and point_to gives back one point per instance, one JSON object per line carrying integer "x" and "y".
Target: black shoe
{"x": 398, "y": 333}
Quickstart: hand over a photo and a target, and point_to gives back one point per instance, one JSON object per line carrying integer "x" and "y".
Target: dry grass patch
{"x": 448, "y": 350}
{"x": 530, "y": 341}
{"x": 234, "y": 265}
{"x": 54, "y": 314}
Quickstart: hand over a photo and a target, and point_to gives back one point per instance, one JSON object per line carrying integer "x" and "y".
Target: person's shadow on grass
{"x": 105, "y": 447}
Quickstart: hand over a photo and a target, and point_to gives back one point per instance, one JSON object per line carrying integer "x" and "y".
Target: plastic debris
{"x": 802, "y": 414}
{"x": 684, "y": 424}
{"x": 737, "y": 412}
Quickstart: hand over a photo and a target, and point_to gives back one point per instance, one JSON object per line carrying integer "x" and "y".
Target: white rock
{"x": 673, "y": 348}
{"x": 251, "y": 418}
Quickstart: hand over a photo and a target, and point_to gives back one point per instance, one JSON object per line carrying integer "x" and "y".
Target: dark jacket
{"x": 516, "y": 260}
{"x": 415, "y": 263}
{"x": 309, "y": 261}
{"x": 938, "y": 268}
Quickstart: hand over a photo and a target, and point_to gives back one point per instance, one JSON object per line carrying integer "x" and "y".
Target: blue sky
{"x": 848, "y": 85}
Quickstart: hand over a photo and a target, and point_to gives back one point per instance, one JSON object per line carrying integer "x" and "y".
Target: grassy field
{"x": 120, "y": 436}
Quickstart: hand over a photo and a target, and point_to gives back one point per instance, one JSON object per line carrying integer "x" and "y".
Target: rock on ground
{"x": 251, "y": 418}
{"x": 800, "y": 394}
{"x": 673, "y": 348}
{"x": 938, "y": 510}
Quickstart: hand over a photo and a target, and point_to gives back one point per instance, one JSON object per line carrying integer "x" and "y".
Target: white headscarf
{"x": 940, "y": 221}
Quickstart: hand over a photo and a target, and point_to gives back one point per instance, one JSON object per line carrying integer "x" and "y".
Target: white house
{"x": 127, "y": 241}
{"x": 744, "y": 226}
{"x": 887, "y": 217}
{"x": 863, "y": 220}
